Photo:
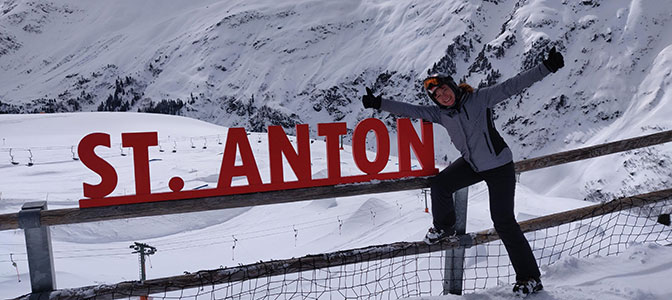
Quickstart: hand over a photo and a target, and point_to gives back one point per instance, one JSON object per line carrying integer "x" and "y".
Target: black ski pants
{"x": 501, "y": 183}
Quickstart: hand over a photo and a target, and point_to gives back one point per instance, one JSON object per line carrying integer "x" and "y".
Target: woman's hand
{"x": 371, "y": 101}
{"x": 554, "y": 61}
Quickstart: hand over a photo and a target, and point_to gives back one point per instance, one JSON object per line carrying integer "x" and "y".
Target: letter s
{"x": 87, "y": 155}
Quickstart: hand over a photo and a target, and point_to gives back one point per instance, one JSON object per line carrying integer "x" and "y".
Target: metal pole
{"x": 142, "y": 250}
{"x": 143, "y": 271}
{"x": 38, "y": 249}
{"x": 425, "y": 191}
{"x": 454, "y": 258}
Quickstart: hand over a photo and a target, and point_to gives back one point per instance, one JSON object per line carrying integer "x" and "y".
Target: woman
{"x": 467, "y": 115}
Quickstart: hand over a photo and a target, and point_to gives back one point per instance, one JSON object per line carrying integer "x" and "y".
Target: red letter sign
{"x": 279, "y": 144}
{"x": 237, "y": 139}
{"x": 407, "y": 138}
{"x": 359, "y": 146}
{"x": 140, "y": 142}
{"x": 108, "y": 177}
{"x": 332, "y": 131}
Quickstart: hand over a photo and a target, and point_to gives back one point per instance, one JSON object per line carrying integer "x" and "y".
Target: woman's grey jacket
{"x": 470, "y": 124}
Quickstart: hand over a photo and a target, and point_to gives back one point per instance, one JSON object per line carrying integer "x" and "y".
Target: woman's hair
{"x": 466, "y": 87}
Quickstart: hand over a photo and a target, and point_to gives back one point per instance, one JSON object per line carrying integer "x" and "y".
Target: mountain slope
{"x": 259, "y": 63}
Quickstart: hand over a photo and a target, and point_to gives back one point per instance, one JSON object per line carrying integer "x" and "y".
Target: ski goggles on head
{"x": 431, "y": 84}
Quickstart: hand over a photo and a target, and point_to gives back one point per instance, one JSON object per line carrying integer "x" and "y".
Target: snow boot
{"x": 526, "y": 287}
{"x": 434, "y": 235}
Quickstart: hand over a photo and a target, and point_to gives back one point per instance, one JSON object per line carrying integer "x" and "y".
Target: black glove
{"x": 554, "y": 61}
{"x": 371, "y": 101}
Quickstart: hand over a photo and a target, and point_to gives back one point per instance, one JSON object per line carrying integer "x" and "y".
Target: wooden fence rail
{"x": 76, "y": 215}
{"x": 593, "y": 151}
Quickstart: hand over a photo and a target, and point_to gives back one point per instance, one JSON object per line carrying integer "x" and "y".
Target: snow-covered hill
{"x": 258, "y": 63}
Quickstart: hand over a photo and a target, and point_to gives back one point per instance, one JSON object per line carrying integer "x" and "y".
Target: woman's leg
{"x": 454, "y": 177}
{"x": 501, "y": 187}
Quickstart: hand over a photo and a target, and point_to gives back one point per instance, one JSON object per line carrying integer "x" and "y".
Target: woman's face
{"x": 444, "y": 95}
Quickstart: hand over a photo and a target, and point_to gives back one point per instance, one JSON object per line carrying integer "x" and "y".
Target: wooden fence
{"x": 77, "y": 215}
{"x": 312, "y": 262}
{"x": 44, "y": 218}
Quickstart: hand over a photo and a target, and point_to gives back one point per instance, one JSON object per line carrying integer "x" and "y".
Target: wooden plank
{"x": 76, "y": 215}
{"x": 593, "y": 151}
{"x": 9, "y": 221}
{"x": 312, "y": 262}
{"x": 246, "y": 272}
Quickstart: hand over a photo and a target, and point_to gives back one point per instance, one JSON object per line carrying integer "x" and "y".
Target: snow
{"x": 638, "y": 273}
{"x": 234, "y": 57}
{"x": 292, "y": 55}
{"x": 196, "y": 241}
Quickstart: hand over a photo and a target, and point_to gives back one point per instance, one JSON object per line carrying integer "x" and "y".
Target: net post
{"x": 38, "y": 249}
{"x": 454, "y": 258}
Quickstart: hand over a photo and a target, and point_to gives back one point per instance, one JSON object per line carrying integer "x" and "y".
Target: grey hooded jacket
{"x": 470, "y": 124}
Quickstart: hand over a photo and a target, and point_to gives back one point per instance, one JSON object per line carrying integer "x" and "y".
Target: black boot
{"x": 434, "y": 236}
{"x": 525, "y": 287}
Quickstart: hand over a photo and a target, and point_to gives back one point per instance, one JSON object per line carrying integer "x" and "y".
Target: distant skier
{"x": 467, "y": 116}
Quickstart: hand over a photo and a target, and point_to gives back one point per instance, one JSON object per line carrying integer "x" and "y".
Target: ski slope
{"x": 208, "y": 240}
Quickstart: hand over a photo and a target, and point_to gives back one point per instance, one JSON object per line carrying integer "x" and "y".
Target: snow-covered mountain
{"x": 256, "y": 63}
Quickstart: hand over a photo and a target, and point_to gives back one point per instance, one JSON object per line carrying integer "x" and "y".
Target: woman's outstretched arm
{"x": 516, "y": 84}
{"x": 428, "y": 113}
